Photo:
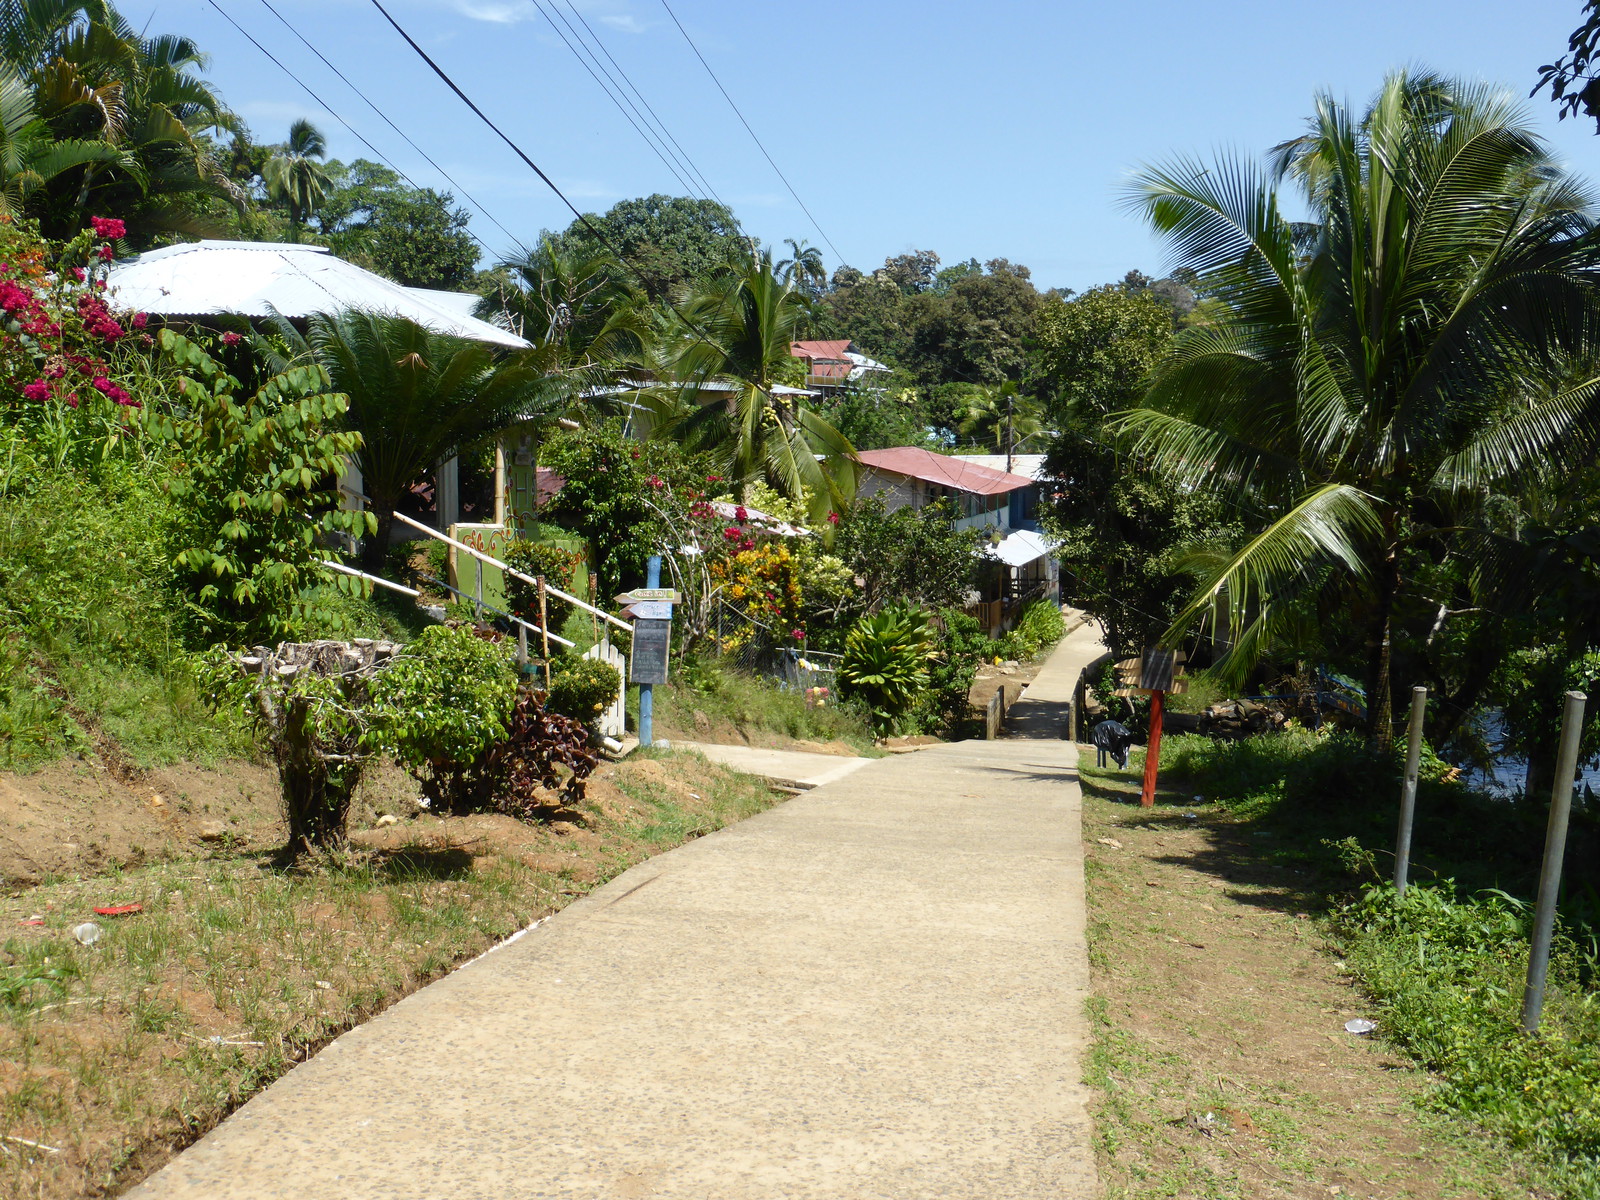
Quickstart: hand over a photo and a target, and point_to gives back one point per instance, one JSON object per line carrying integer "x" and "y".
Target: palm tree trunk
{"x": 1380, "y": 699}
{"x": 375, "y": 551}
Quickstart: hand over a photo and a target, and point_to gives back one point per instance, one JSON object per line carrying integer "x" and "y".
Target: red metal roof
{"x": 916, "y": 463}
{"x": 833, "y": 349}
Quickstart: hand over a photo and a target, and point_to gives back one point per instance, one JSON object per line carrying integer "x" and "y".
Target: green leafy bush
{"x": 441, "y": 706}
{"x": 1448, "y": 974}
{"x": 558, "y": 566}
{"x": 582, "y": 688}
{"x": 1039, "y": 627}
{"x": 885, "y": 662}
{"x": 962, "y": 645}
{"x": 255, "y": 489}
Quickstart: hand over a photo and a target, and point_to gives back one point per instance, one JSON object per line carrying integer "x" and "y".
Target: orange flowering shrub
{"x": 764, "y": 582}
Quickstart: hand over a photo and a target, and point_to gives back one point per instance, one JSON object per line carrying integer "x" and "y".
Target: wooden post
{"x": 1152, "y": 754}
{"x": 544, "y": 633}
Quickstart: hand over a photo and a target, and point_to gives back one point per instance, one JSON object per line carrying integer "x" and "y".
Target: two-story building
{"x": 995, "y": 501}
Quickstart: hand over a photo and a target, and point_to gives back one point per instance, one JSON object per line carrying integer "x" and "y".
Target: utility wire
{"x": 749, "y": 130}
{"x": 613, "y": 96}
{"x": 465, "y": 195}
{"x": 550, "y": 183}
{"x": 324, "y": 104}
{"x": 660, "y": 124}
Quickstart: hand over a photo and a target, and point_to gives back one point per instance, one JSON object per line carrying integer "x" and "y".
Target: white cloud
{"x": 495, "y": 13}
{"x": 625, "y": 22}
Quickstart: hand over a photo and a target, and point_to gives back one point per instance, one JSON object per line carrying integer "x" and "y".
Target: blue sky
{"x": 990, "y": 129}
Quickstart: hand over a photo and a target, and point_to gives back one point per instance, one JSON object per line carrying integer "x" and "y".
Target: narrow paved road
{"x": 873, "y": 990}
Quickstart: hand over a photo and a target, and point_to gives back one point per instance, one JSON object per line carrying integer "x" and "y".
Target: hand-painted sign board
{"x": 670, "y": 595}
{"x": 651, "y": 610}
{"x": 651, "y": 641}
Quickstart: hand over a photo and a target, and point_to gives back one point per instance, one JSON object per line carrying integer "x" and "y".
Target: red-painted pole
{"x": 1152, "y": 754}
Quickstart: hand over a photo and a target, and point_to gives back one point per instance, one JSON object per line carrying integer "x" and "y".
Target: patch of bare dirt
{"x": 76, "y": 818}
{"x": 1224, "y": 1066}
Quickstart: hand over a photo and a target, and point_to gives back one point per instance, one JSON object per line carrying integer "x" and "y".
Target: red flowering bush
{"x": 62, "y": 337}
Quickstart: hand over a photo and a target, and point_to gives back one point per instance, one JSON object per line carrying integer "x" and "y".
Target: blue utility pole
{"x": 652, "y": 579}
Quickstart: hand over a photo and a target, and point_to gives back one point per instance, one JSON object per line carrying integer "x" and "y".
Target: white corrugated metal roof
{"x": 1031, "y": 465}
{"x": 256, "y": 279}
{"x": 1020, "y": 547}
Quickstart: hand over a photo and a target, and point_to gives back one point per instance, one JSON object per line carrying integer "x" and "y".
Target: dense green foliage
{"x": 256, "y": 489}
{"x": 558, "y": 566}
{"x": 582, "y": 688}
{"x": 441, "y": 705}
{"x": 1446, "y": 964}
{"x": 1363, "y": 402}
{"x": 669, "y": 242}
{"x": 885, "y": 662}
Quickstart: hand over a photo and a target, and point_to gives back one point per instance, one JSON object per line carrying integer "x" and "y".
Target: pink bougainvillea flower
{"x": 656, "y": 482}
{"x": 798, "y": 635}
{"x": 713, "y": 478}
{"x": 730, "y": 534}
{"x": 107, "y": 253}
{"x": 108, "y": 227}
{"x": 231, "y": 339}
{"x": 101, "y": 384}
{"x": 72, "y": 399}
{"x": 37, "y": 390}
{"x": 741, "y": 514}
{"x": 833, "y": 518}
{"x": 140, "y": 320}
{"x": 77, "y": 274}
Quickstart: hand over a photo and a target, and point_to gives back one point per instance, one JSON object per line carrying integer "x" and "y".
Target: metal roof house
{"x": 831, "y": 365}
{"x": 262, "y": 279}
{"x": 985, "y": 497}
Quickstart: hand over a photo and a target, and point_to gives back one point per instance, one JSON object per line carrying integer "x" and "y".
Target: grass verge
{"x": 1229, "y": 949}
{"x": 113, "y": 1056}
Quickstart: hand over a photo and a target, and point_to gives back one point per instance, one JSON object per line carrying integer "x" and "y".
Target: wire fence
{"x": 749, "y": 644}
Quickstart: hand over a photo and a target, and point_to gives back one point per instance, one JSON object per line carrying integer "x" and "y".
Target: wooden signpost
{"x": 1153, "y": 675}
{"x": 651, "y": 608}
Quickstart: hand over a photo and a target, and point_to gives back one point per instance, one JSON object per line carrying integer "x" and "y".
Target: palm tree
{"x": 1007, "y": 421}
{"x": 95, "y": 78}
{"x": 418, "y": 397}
{"x": 737, "y": 335}
{"x": 803, "y": 267}
{"x": 30, "y": 156}
{"x": 294, "y": 175}
{"x": 1430, "y": 334}
{"x": 583, "y": 302}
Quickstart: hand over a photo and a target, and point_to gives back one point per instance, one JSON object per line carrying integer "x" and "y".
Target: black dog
{"x": 1113, "y": 738}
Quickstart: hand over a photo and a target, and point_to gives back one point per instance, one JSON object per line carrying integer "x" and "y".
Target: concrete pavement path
{"x": 791, "y": 768}
{"x": 873, "y": 990}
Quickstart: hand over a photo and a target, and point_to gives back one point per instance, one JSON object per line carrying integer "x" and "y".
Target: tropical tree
{"x": 1430, "y": 334}
{"x": 418, "y": 397}
{"x": 1001, "y": 418}
{"x": 30, "y": 156}
{"x": 96, "y": 78}
{"x": 804, "y": 267}
{"x": 296, "y": 177}
{"x": 580, "y": 301}
{"x": 737, "y": 334}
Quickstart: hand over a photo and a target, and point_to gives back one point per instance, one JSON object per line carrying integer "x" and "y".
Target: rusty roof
{"x": 829, "y": 350}
{"x": 917, "y": 463}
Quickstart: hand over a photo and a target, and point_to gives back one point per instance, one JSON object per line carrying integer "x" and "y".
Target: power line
{"x": 550, "y": 183}
{"x": 613, "y": 97}
{"x": 329, "y": 108}
{"x": 466, "y": 195}
{"x": 682, "y": 153}
{"x": 749, "y": 130}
